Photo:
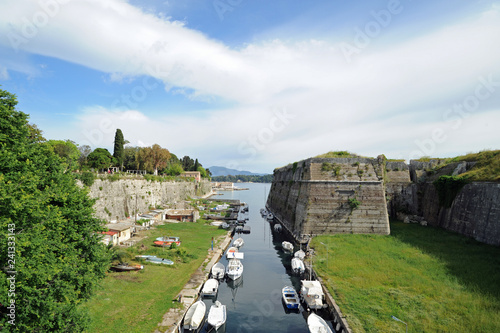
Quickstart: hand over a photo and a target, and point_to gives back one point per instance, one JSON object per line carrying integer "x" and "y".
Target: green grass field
{"x": 136, "y": 301}
{"x": 434, "y": 280}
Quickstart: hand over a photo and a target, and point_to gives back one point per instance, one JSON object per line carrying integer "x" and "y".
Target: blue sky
{"x": 255, "y": 85}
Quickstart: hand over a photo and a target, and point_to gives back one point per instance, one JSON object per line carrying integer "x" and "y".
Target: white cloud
{"x": 380, "y": 103}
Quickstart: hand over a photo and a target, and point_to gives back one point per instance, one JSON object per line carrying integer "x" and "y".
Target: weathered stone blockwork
{"x": 312, "y": 196}
{"x": 118, "y": 199}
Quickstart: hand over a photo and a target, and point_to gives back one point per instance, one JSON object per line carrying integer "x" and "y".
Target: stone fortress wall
{"x": 314, "y": 196}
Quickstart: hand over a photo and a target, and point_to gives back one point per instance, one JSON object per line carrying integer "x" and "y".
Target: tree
{"x": 118, "y": 148}
{"x": 55, "y": 254}
{"x": 100, "y": 158}
{"x": 67, "y": 151}
{"x": 187, "y": 163}
{"x": 85, "y": 150}
{"x": 196, "y": 165}
{"x": 155, "y": 157}
{"x": 174, "y": 169}
{"x": 130, "y": 158}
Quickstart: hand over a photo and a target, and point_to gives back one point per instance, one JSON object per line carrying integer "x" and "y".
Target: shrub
{"x": 354, "y": 203}
{"x": 87, "y": 178}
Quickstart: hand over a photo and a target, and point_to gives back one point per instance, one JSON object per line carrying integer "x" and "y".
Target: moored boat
{"x": 312, "y": 294}
{"x": 300, "y": 254}
{"x": 194, "y": 318}
{"x": 127, "y": 268}
{"x": 217, "y": 315}
{"x": 163, "y": 261}
{"x": 234, "y": 269}
{"x": 218, "y": 271}
{"x": 210, "y": 288}
{"x": 317, "y": 324}
{"x": 277, "y": 227}
{"x": 290, "y": 297}
{"x": 238, "y": 243}
{"x": 287, "y": 246}
{"x": 167, "y": 241}
{"x": 231, "y": 251}
{"x": 270, "y": 216}
{"x": 298, "y": 266}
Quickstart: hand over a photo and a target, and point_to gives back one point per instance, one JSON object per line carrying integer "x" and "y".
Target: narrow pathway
{"x": 172, "y": 319}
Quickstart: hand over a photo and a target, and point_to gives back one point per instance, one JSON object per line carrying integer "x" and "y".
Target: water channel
{"x": 254, "y": 301}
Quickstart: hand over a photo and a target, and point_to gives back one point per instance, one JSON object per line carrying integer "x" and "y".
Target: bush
{"x": 354, "y": 203}
{"x": 87, "y": 178}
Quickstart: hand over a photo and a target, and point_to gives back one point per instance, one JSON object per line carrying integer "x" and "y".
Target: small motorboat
{"x": 300, "y": 254}
{"x": 290, "y": 298}
{"x": 217, "y": 315}
{"x": 218, "y": 271}
{"x": 270, "y": 216}
{"x": 277, "y": 227}
{"x": 224, "y": 225}
{"x": 163, "y": 261}
{"x": 298, "y": 266}
{"x": 194, "y": 318}
{"x": 167, "y": 241}
{"x": 125, "y": 267}
{"x": 234, "y": 269}
{"x": 145, "y": 256}
{"x": 210, "y": 288}
{"x": 317, "y": 324}
{"x": 216, "y": 223}
{"x": 231, "y": 251}
{"x": 312, "y": 294}
{"x": 239, "y": 242}
{"x": 287, "y": 246}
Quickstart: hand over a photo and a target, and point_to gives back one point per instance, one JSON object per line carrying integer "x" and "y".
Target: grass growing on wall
{"x": 137, "y": 301}
{"x": 434, "y": 280}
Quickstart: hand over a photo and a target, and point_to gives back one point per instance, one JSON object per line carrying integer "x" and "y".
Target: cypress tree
{"x": 118, "y": 148}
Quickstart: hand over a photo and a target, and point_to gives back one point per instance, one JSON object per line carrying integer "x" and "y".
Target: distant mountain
{"x": 222, "y": 171}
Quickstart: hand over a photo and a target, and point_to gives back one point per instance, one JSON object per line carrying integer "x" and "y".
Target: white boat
{"x": 234, "y": 269}
{"x": 270, "y": 216}
{"x": 287, "y": 246}
{"x": 290, "y": 298}
{"x": 277, "y": 227}
{"x": 224, "y": 225}
{"x": 218, "y": 270}
{"x": 300, "y": 254}
{"x": 317, "y": 324}
{"x": 195, "y": 316}
{"x": 217, "y": 315}
{"x": 239, "y": 242}
{"x": 298, "y": 266}
{"x": 210, "y": 288}
{"x": 231, "y": 251}
{"x": 216, "y": 223}
{"x": 312, "y": 294}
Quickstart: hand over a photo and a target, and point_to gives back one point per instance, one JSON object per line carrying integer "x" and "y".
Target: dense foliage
{"x": 244, "y": 179}
{"x": 448, "y": 188}
{"x": 50, "y": 243}
{"x": 118, "y": 147}
{"x": 100, "y": 158}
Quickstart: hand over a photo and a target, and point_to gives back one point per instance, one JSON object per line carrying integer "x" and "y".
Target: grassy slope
{"x": 136, "y": 301}
{"x": 486, "y": 169}
{"x": 434, "y": 280}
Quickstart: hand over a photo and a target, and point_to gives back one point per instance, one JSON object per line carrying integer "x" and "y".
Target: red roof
{"x": 111, "y": 233}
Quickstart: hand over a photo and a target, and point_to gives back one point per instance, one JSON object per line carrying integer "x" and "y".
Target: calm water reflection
{"x": 254, "y": 303}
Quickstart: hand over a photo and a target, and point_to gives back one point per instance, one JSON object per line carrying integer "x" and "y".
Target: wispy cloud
{"x": 386, "y": 97}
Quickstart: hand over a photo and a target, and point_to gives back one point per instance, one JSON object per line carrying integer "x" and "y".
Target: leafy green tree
{"x": 187, "y": 163}
{"x": 203, "y": 172}
{"x": 118, "y": 148}
{"x": 130, "y": 158}
{"x": 50, "y": 243}
{"x": 173, "y": 169}
{"x": 100, "y": 158}
{"x": 155, "y": 157}
{"x": 67, "y": 151}
{"x": 196, "y": 165}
